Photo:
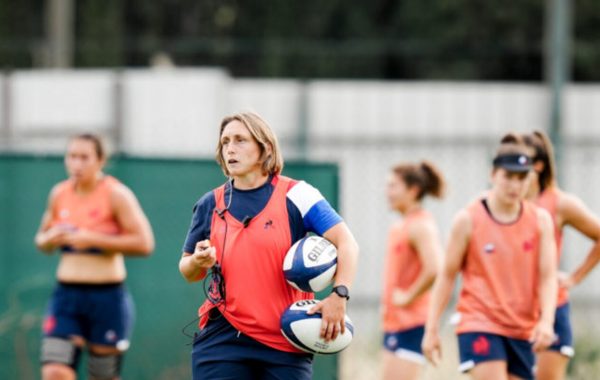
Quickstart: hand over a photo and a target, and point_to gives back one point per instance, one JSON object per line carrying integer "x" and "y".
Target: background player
{"x": 94, "y": 220}
{"x": 565, "y": 210}
{"x": 504, "y": 248}
{"x": 411, "y": 264}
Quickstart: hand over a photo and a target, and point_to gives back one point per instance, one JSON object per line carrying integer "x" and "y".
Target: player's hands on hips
{"x": 205, "y": 255}
{"x": 432, "y": 347}
{"x": 543, "y": 336}
{"x": 400, "y": 297}
{"x": 333, "y": 311}
{"x": 565, "y": 280}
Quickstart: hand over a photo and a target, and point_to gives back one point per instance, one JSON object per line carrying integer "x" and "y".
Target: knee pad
{"x": 103, "y": 367}
{"x": 60, "y": 350}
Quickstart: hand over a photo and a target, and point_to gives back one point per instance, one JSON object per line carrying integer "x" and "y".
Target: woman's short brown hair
{"x": 272, "y": 163}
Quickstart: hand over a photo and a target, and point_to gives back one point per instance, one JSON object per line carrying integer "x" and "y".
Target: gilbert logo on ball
{"x": 310, "y": 264}
{"x": 303, "y": 330}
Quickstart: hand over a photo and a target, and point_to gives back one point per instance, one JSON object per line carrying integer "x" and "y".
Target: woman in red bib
{"x": 95, "y": 221}
{"x": 504, "y": 248}
{"x": 239, "y": 235}
{"x": 411, "y": 264}
{"x": 565, "y": 210}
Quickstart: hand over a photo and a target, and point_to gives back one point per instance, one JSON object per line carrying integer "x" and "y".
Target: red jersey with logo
{"x": 251, "y": 257}
{"x": 92, "y": 211}
{"x": 500, "y": 273}
{"x": 402, "y": 268}
{"x": 548, "y": 200}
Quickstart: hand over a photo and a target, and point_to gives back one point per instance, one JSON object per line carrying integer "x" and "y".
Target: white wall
{"x": 172, "y": 112}
{"x": 176, "y": 112}
{"x": 423, "y": 109}
{"x": 47, "y": 105}
{"x": 582, "y": 111}
{"x": 278, "y": 101}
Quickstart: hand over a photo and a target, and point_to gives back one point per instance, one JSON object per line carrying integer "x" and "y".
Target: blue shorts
{"x": 222, "y": 352}
{"x": 563, "y": 331}
{"x": 478, "y": 347}
{"x": 406, "y": 344}
{"x": 102, "y": 314}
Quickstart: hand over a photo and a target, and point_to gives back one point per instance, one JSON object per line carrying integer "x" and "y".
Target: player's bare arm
{"x": 442, "y": 288}
{"x": 543, "y": 334}
{"x": 424, "y": 237}
{"x": 573, "y": 212}
{"x": 47, "y": 238}
{"x": 333, "y": 308}
{"x": 194, "y": 266}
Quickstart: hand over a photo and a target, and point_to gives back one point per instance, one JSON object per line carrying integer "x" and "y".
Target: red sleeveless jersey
{"x": 402, "y": 267}
{"x": 500, "y": 273}
{"x": 92, "y": 211}
{"x": 251, "y": 258}
{"x": 548, "y": 200}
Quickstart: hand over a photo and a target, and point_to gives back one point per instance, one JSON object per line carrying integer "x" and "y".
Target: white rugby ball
{"x": 310, "y": 264}
{"x": 303, "y": 330}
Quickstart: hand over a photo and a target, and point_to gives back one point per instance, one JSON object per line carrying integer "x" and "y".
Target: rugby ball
{"x": 302, "y": 330}
{"x": 310, "y": 264}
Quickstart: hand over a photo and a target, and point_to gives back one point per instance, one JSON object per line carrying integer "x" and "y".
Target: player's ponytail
{"x": 425, "y": 176}
{"x": 433, "y": 181}
{"x": 544, "y": 152}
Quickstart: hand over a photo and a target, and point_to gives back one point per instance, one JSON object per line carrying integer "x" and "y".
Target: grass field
{"x": 362, "y": 360}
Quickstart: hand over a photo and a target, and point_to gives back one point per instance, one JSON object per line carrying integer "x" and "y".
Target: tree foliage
{"x": 388, "y": 39}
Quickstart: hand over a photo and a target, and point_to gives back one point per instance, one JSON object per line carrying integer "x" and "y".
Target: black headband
{"x": 513, "y": 162}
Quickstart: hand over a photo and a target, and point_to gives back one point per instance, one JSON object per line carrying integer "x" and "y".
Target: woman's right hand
{"x": 205, "y": 255}
{"x": 52, "y": 238}
{"x": 431, "y": 346}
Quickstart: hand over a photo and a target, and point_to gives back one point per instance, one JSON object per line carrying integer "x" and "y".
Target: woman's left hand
{"x": 400, "y": 297}
{"x": 565, "y": 280}
{"x": 543, "y": 336}
{"x": 80, "y": 239}
{"x": 333, "y": 311}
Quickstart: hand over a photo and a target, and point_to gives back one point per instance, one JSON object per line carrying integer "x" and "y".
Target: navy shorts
{"x": 102, "y": 314}
{"x": 406, "y": 344}
{"x": 478, "y": 347}
{"x": 563, "y": 331}
{"x": 220, "y": 352}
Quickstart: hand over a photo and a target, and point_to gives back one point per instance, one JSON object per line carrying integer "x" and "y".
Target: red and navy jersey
{"x": 251, "y": 253}
{"x": 308, "y": 211}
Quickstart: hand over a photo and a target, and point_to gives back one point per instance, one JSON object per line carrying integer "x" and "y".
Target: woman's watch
{"x": 342, "y": 291}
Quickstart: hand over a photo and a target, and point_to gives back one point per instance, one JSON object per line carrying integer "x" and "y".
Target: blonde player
{"x": 239, "y": 235}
